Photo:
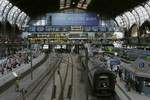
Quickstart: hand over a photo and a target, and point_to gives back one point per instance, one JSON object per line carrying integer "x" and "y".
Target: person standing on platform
{"x": 120, "y": 74}
{"x": 128, "y": 85}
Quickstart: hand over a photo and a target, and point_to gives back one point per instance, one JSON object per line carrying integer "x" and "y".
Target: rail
{"x": 64, "y": 85}
{"x": 35, "y": 89}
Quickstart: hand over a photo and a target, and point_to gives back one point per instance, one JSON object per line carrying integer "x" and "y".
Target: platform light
{"x": 115, "y": 53}
{"x": 147, "y": 31}
{"x": 15, "y": 74}
{"x": 73, "y": 3}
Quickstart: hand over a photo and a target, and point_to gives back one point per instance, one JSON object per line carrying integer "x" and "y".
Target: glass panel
{"x": 131, "y": 18}
{"x": 136, "y": 16}
{"x": 19, "y": 17}
{"x": 126, "y": 20}
{"x": 1, "y": 2}
{"x": 3, "y": 5}
{"x": 111, "y": 25}
{"x": 148, "y": 2}
{"x": 0, "y": 18}
{"x": 120, "y": 21}
{"x": 11, "y": 14}
{"x": 22, "y": 19}
{"x": 143, "y": 14}
{"x": 147, "y": 7}
{"x": 6, "y": 10}
{"x": 16, "y": 14}
{"x": 25, "y": 22}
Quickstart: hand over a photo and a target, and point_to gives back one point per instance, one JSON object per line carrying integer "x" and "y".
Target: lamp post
{"x": 61, "y": 84}
{"x": 31, "y": 62}
{"x": 29, "y": 47}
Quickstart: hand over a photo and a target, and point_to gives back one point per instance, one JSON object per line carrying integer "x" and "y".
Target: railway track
{"x": 67, "y": 84}
{"x": 57, "y": 80}
{"x": 35, "y": 89}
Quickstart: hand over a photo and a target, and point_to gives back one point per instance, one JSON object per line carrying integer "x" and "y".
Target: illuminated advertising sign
{"x": 81, "y": 19}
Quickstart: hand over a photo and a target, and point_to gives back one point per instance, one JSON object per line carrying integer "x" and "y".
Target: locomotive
{"x": 101, "y": 79}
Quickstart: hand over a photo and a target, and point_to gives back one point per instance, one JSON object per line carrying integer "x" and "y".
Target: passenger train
{"x": 101, "y": 79}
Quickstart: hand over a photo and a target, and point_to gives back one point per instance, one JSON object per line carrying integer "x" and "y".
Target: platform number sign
{"x": 141, "y": 65}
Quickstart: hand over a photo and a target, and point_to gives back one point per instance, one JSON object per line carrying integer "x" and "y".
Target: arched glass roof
{"x": 83, "y": 4}
{"x": 136, "y": 16}
{"x": 126, "y": 19}
{"x": 6, "y": 10}
{"x": 120, "y": 21}
{"x": 143, "y": 14}
{"x": 131, "y": 18}
{"x": 25, "y": 22}
{"x": 147, "y": 7}
{"x": 21, "y": 18}
{"x": 3, "y": 4}
{"x": 16, "y": 14}
{"x": 11, "y": 13}
{"x": 22, "y": 14}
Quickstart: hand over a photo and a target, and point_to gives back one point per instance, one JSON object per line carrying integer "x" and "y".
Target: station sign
{"x": 65, "y": 29}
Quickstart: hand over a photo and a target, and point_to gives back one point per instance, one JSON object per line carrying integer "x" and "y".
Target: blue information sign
{"x": 141, "y": 65}
{"x": 82, "y": 19}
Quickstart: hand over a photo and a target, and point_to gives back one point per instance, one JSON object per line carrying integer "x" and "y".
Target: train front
{"x": 104, "y": 83}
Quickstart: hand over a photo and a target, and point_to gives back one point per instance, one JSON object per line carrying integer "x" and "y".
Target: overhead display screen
{"x": 81, "y": 19}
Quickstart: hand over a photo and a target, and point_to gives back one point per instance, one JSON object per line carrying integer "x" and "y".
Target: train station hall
{"x": 74, "y": 49}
